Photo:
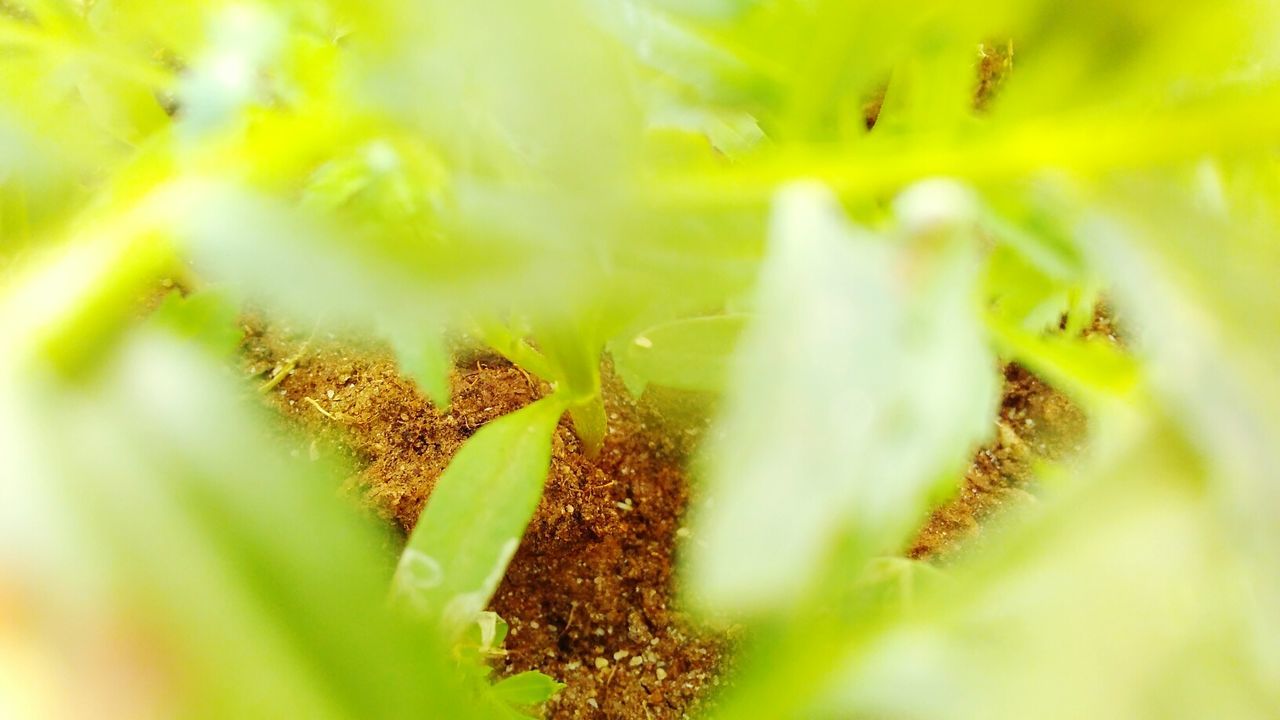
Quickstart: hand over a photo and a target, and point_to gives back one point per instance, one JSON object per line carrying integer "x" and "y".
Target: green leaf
{"x": 491, "y": 630}
{"x": 182, "y": 511}
{"x": 514, "y": 348}
{"x": 631, "y": 378}
{"x": 104, "y": 269}
{"x": 931, "y": 90}
{"x": 690, "y": 354}
{"x": 1209, "y": 319}
{"x": 590, "y": 423}
{"x": 573, "y": 354}
{"x": 526, "y": 689}
{"x": 352, "y": 276}
{"x": 126, "y": 111}
{"x": 1022, "y": 292}
{"x": 207, "y": 317}
{"x": 1089, "y": 143}
{"x": 476, "y": 514}
{"x": 424, "y": 357}
{"x": 1089, "y": 369}
{"x": 857, "y": 388}
{"x": 662, "y": 41}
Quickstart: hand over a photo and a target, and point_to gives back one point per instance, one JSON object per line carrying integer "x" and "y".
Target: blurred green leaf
{"x": 206, "y": 317}
{"x": 1228, "y": 120}
{"x": 690, "y": 354}
{"x": 1021, "y": 293}
{"x": 861, "y": 386}
{"x": 590, "y": 423}
{"x": 129, "y": 113}
{"x": 179, "y": 524}
{"x": 423, "y": 356}
{"x": 1139, "y": 573}
{"x": 516, "y": 349}
{"x": 1194, "y": 273}
{"x": 1089, "y": 369}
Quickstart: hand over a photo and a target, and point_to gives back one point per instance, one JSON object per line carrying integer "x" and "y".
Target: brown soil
{"x": 588, "y": 595}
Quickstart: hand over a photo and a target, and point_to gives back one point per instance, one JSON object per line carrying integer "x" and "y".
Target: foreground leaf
{"x": 861, "y": 383}
{"x": 193, "y": 544}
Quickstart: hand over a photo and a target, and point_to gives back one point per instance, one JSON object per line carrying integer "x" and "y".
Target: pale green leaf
{"x": 207, "y": 317}
{"x": 181, "y": 516}
{"x": 1121, "y": 591}
{"x": 1089, "y": 369}
{"x": 473, "y": 521}
{"x": 590, "y": 423}
{"x": 1021, "y": 293}
{"x": 630, "y": 376}
{"x": 858, "y": 387}
{"x": 127, "y": 112}
{"x": 425, "y": 358}
{"x": 573, "y": 355}
{"x": 526, "y": 689}
{"x": 515, "y": 348}
{"x": 690, "y": 354}
{"x": 1199, "y": 279}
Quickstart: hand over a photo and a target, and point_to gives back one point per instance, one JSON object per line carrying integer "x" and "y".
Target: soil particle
{"x": 872, "y": 106}
{"x": 995, "y": 62}
{"x": 588, "y": 595}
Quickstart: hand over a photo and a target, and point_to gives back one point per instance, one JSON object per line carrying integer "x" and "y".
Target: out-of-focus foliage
{"x": 553, "y": 179}
{"x": 689, "y": 354}
{"x": 148, "y": 558}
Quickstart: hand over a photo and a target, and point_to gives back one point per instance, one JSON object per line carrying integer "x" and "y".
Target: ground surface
{"x": 588, "y": 596}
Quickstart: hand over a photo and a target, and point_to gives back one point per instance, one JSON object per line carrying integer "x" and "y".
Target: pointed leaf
{"x": 423, "y": 356}
{"x": 573, "y": 351}
{"x": 527, "y": 688}
{"x": 476, "y": 514}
